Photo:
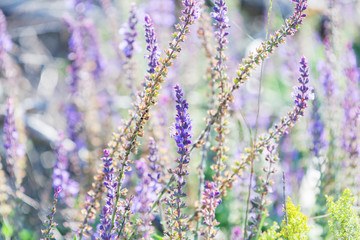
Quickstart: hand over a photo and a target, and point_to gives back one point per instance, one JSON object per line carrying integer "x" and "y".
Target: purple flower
{"x": 84, "y": 50}
{"x": 14, "y": 150}
{"x": 236, "y": 233}
{"x": 221, "y": 24}
{"x": 351, "y": 106}
{"x": 326, "y": 76}
{"x": 74, "y": 124}
{"x": 152, "y": 46}
{"x": 146, "y": 194}
{"x": 303, "y": 93}
{"x": 110, "y": 184}
{"x": 182, "y": 136}
{"x": 317, "y": 129}
{"x": 192, "y": 8}
{"x": 210, "y": 200}
{"x": 182, "y": 131}
{"x": 61, "y": 175}
{"x": 131, "y": 33}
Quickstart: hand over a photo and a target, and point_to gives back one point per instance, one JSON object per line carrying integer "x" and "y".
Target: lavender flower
{"x": 221, "y": 25}
{"x": 105, "y": 228}
{"x": 153, "y": 157}
{"x": 50, "y": 224}
{"x": 75, "y": 124}
{"x": 303, "y": 93}
{"x": 351, "y": 142}
{"x": 10, "y": 137}
{"x": 326, "y": 77}
{"x": 14, "y": 149}
{"x": 77, "y": 53}
{"x": 236, "y": 233}
{"x": 61, "y": 175}
{"x": 131, "y": 33}
{"x": 317, "y": 129}
{"x": 146, "y": 195}
{"x": 192, "y": 10}
{"x": 182, "y": 135}
{"x": 152, "y": 46}
{"x": 211, "y": 199}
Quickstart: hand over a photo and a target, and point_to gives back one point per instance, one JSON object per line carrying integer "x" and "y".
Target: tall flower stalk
{"x": 204, "y": 32}
{"x": 104, "y": 229}
{"x": 182, "y": 137}
{"x": 221, "y": 26}
{"x": 211, "y": 199}
{"x": 128, "y": 48}
{"x": 50, "y": 224}
{"x": 61, "y": 174}
{"x": 350, "y": 140}
{"x": 14, "y": 149}
{"x": 301, "y": 94}
{"x": 149, "y": 94}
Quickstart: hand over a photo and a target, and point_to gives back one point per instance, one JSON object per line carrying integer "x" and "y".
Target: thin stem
{"x": 257, "y": 123}
{"x": 284, "y": 198}
{"x": 249, "y": 189}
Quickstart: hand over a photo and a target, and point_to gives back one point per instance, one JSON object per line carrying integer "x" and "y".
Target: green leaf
{"x": 7, "y": 230}
{"x": 26, "y": 235}
{"x": 157, "y": 237}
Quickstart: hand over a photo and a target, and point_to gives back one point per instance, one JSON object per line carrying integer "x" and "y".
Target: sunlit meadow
{"x": 180, "y": 119}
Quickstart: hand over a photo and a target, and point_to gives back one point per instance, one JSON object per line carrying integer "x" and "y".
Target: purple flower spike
{"x": 182, "y": 134}
{"x": 146, "y": 195}
{"x": 110, "y": 184}
{"x": 237, "y": 233}
{"x": 61, "y": 175}
{"x": 152, "y": 46}
{"x": 192, "y": 8}
{"x": 14, "y": 149}
{"x": 211, "y": 199}
{"x": 221, "y": 24}
{"x": 317, "y": 129}
{"x": 303, "y": 93}
{"x": 350, "y": 140}
{"x": 131, "y": 33}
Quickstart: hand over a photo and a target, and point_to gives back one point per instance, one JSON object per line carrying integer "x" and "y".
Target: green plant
{"x": 344, "y": 221}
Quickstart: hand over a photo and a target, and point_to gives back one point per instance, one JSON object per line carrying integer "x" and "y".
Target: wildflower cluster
{"x": 146, "y": 186}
